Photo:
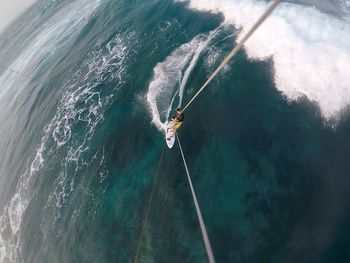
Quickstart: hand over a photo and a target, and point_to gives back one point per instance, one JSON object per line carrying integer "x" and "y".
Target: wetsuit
{"x": 178, "y": 120}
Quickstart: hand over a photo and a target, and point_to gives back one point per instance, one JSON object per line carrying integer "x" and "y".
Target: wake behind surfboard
{"x": 170, "y": 134}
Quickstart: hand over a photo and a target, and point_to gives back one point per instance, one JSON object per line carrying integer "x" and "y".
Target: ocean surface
{"x": 86, "y": 88}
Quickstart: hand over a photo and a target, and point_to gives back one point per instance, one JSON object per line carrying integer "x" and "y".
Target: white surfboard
{"x": 170, "y": 135}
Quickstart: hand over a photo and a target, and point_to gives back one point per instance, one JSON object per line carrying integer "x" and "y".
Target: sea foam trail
{"x": 170, "y": 78}
{"x": 54, "y": 34}
{"x": 310, "y": 49}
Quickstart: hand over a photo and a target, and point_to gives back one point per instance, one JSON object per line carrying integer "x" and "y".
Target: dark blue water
{"x": 85, "y": 89}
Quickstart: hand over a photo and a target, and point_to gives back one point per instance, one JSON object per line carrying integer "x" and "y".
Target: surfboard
{"x": 170, "y": 135}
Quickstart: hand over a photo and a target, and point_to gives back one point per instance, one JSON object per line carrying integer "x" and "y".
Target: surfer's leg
{"x": 177, "y": 125}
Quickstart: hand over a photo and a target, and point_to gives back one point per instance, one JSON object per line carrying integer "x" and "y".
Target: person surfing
{"x": 172, "y": 126}
{"x": 178, "y": 119}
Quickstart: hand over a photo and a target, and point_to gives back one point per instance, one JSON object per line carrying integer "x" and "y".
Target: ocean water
{"x": 86, "y": 88}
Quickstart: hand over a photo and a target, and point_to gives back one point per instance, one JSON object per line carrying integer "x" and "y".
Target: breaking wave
{"x": 310, "y": 49}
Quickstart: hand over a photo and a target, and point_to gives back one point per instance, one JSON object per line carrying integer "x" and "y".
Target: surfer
{"x": 178, "y": 118}
{"x": 172, "y": 126}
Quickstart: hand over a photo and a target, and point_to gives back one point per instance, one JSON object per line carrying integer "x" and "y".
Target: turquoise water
{"x": 85, "y": 89}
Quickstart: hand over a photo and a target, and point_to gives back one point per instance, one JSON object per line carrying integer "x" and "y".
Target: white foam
{"x": 310, "y": 50}
{"x": 83, "y": 104}
{"x": 170, "y": 78}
